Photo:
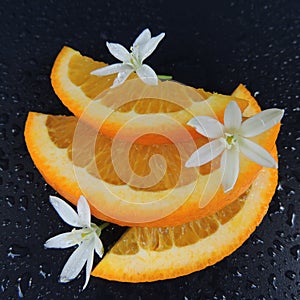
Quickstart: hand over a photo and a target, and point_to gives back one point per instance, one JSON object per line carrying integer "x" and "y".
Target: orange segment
{"x": 149, "y": 254}
{"x": 171, "y": 201}
{"x": 151, "y": 114}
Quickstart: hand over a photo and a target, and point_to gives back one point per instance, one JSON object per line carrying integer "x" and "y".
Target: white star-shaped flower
{"x": 87, "y": 238}
{"x": 232, "y": 138}
{"x": 143, "y": 47}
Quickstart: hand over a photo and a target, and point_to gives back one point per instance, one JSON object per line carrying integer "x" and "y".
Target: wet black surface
{"x": 215, "y": 45}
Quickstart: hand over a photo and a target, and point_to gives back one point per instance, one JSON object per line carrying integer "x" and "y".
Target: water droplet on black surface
{"x": 15, "y": 130}
{"x": 271, "y": 252}
{"x": 15, "y": 98}
{"x": 23, "y": 284}
{"x": 4, "y": 284}
{"x": 5, "y": 222}
{"x": 18, "y": 225}
{"x": 251, "y": 284}
{"x": 291, "y": 215}
{"x": 295, "y": 251}
{"x": 17, "y": 251}
{"x": 29, "y": 177}
{"x": 290, "y": 274}
{"x": 23, "y": 203}
{"x": 278, "y": 245}
{"x": 280, "y": 233}
{"x": 44, "y": 270}
{"x": 256, "y": 239}
{"x": 10, "y": 201}
{"x": 18, "y": 167}
{"x": 272, "y": 281}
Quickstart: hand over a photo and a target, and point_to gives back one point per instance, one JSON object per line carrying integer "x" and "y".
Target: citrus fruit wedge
{"x": 149, "y": 254}
{"x": 134, "y": 110}
{"x": 77, "y": 160}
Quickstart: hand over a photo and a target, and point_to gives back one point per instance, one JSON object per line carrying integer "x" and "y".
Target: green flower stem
{"x": 104, "y": 225}
{"x": 164, "y": 77}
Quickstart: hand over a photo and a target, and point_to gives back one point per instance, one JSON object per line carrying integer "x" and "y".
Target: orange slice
{"x": 74, "y": 169}
{"x": 151, "y": 114}
{"x": 149, "y": 254}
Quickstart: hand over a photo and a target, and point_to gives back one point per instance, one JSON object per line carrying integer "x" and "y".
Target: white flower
{"x": 143, "y": 47}
{"x": 87, "y": 238}
{"x": 231, "y": 138}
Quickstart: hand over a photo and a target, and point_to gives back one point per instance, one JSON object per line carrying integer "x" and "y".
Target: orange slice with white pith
{"x": 148, "y": 254}
{"x": 174, "y": 199}
{"x": 134, "y": 110}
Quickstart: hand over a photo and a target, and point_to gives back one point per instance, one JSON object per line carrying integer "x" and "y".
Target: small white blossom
{"x": 143, "y": 47}
{"x": 232, "y": 138}
{"x": 87, "y": 238}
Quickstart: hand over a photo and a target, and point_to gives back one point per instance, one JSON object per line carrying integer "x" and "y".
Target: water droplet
{"x": 15, "y": 98}
{"x": 15, "y": 130}
{"x": 261, "y": 268}
{"x": 44, "y": 270}
{"x": 291, "y": 215}
{"x": 256, "y": 239}
{"x": 10, "y": 201}
{"x": 5, "y": 222}
{"x": 237, "y": 273}
{"x": 290, "y": 274}
{"x": 272, "y": 281}
{"x": 280, "y": 233}
{"x": 18, "y": 167}
{"x": 23, "y": 284}
{"x": 17, "y": 251}
{"x": 4, "y": 284}
{"x": 260, "y": 254}
{"x": 23, "y": 203}
{"x": 295, "y": 251}
{"x": 271, "y": 252}
{"x": 278, "y": 245}
{"x": 273, "y": 262}
{"x": 18, "y": 224}
{"x": 29, "y": 177}
{"x": 252, "y": 285}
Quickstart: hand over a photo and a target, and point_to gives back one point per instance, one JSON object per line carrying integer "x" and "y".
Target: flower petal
{"x": 108, "y": 70}
{"x": 257, "y": 153}
{"x": 122, "y": 76}
{"x": 232, "y": 116}
{"x": 147, "y": 74}
{"x": 118, "y": 51}
{"x": 65, "y": 240}
{"x": 98, "y": 246}
{"x": 65, "y": 211}
{"x": 206, "y": 153}
{"x": 88, "y": 269}
{"x": 76, "y": 261}
{"x": 207, "y": 126}
{"x": 84, "y": 211}
{"x": 261, "y": 122}
{"x": 230, "y": 166}
{"x": 144, "y": 37}
{"x": 147, "y": 49}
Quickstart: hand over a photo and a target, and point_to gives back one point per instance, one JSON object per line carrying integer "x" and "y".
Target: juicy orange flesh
{"x": 99, "y": 164}
{"x": 80, "y": 68}
{"x": 163, "y": 238}
{"x": 150, "y": 105}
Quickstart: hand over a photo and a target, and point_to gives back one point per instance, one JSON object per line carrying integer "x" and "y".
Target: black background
{"x": 210, "y": 44}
